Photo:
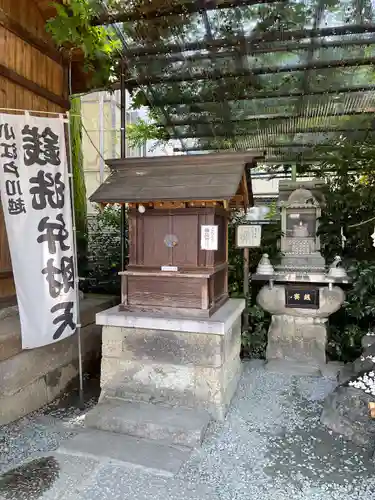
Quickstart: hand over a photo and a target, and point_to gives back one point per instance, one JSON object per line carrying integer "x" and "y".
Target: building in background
{"x": 101, "y": 119}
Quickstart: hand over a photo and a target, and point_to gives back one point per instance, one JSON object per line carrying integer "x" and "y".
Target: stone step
{"x": 140, "y": 453}
{"x": 129, "y": 389}
{"x": 166, "y": 424}
{"x": 346, "y": 373}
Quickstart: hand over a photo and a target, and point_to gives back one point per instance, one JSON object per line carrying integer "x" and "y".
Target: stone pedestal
{"x": 185, "y": 362}
{"x": 297, "y": 337}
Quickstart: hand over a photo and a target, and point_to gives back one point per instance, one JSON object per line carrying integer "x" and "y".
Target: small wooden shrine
{"x": 178, "y": 210}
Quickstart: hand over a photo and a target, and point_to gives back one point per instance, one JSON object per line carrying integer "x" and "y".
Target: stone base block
{"x": 298, "y": 335}
{"x": 180, "y": 362}
{"x": 332, "y": 370}
{"x": 288, "y": 367}
{"x": 301, "y": 342}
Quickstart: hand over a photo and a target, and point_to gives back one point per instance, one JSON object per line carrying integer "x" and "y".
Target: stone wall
{"x": 198, "y": 368}
{"x": 30, "y": 379}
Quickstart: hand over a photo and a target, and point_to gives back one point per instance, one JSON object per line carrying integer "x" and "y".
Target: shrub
{"x": 104, "y": 252}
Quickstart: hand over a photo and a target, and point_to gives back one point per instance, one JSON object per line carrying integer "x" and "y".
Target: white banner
{"x": 35, "y": 196}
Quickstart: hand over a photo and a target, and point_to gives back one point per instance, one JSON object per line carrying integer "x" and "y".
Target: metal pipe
{"x": 122, "y": 111}
{"x": 246, "y": 287}
{"x": 286, "y": 116}
{"x": 75, "y": 265}
{"x": 179, "y": 8}
{"x": 101, "y": 137}
{"x": 273, "y": 35}
{"x": 122, "y": 154}
{"x": 262, "y": 48}
{"x": 268, "y": 133}
{"x": 248, "y": 95}
{"x": 75, "y": 251}
{"x": 264, "y": 70}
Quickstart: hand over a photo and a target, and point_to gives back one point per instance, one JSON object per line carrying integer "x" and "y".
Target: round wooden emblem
{"x": 171, "y": 240}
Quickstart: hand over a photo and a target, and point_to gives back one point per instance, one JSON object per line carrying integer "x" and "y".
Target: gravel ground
{"x": 271, "y": 446}
{"x": 43, "y": 431}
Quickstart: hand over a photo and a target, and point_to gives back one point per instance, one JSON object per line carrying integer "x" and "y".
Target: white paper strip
{"x": 35, "y": 195}
{"x": 209, "y": 237}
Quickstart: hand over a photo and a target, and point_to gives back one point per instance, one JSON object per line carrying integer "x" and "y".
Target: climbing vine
{"x": 140, "y": 132}
{"x": 72, "y": 31}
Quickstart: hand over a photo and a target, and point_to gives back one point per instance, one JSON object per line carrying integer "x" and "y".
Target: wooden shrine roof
{"x": 171, "y": 178}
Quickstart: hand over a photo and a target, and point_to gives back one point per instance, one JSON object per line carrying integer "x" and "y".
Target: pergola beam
{"x": 250, "y": 96}
{"x": 311, "y": 114}
{"x": 265, "y": 147}
{"x": 251, "y": 133}
{"x": 182, "y": 7}
{"x": 298, "y": 158}
{"x": 261, "y": 48}
{"x": 270, "y": 159}
{"x": 249, "y": 42}
{"x": 219, "y": 75}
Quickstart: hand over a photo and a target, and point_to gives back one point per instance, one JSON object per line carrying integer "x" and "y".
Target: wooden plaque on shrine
{"x": 178, "y": 209}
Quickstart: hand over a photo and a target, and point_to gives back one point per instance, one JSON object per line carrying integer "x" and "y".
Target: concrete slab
{"x": 139, "y": 453}
{"x": 166, "y": 424}
{"x": 218, "y": 324}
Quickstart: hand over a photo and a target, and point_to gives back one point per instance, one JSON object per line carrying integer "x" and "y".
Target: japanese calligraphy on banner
{"x": 36, "y": 203}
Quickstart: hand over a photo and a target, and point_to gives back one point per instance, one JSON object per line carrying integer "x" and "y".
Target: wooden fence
{"x": 33, "y": 76}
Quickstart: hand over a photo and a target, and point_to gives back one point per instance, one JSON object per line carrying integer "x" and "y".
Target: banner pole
{"x": 122, "y": 155}
{"x": 75, "y": 259}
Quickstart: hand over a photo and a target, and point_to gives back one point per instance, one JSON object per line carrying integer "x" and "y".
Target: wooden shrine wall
{"x": 32, "y": 76}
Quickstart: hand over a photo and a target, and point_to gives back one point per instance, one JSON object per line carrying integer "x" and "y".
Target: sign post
{"x": 247, "y": 236}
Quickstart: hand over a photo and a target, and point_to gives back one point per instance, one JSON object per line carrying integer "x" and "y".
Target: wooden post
{"x": 246, "y": 285}
{"x": 294, "y": 173}
{"x": 247, "y": 236}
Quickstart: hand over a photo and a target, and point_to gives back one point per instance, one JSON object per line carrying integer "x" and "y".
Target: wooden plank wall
{"x": 32, "y": 76}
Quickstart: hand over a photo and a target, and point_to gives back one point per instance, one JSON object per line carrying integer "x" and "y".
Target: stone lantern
{"x": 300, "y": 293}
{"x": 300, "y": 211}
